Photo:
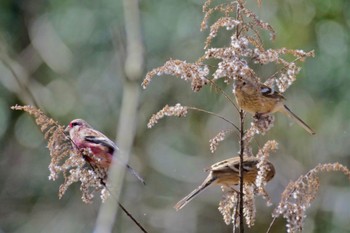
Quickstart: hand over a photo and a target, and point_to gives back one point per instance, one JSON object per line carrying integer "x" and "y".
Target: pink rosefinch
{"x": 259, "y": 99}
{"x": 83, "y": 136}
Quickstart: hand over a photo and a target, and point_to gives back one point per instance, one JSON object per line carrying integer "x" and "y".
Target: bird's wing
{"x": 232, "y": 164}
{"x": 223, "y": 164}
{"x": 269, "y": 92}
{"x": 99, "y": 138}
{"x": 102, "y": 140}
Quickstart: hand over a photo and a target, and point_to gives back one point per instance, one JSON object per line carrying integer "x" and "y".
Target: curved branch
{"x": 215, "y": 114}
{"x": 224, "y": 93}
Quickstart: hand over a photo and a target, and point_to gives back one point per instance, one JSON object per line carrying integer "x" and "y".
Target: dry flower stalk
{"x": 214, "y": 142}
{"x": 245, "y": 47}
{"x": 68, "y": 160}
{"x": 298, "y": 195}
{"x": 177, "y": 110}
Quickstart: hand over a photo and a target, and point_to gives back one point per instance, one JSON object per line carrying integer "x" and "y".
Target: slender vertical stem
{"x": 133, "y": 70}
{"x": 241, "y": 223}
{"x": 241, "y": 116}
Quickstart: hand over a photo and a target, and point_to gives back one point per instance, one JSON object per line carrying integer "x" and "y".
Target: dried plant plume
{"x": 244, "y": 48}
{"x": 298, "y": 195}
{"x": 67, "y": 160}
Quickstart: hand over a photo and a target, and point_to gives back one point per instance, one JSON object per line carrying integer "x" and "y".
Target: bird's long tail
{"x": 184, "y": 201}
{"x": 137, "y": 175}
{"x": 289, "y": 113}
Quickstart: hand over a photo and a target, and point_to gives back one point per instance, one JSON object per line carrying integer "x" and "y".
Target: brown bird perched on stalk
{"x": 226, "y": 173}
{"x": 259, "y": 100}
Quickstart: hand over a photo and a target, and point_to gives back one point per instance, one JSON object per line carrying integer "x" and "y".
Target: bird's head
{"x": 75, "y": 125}
{"x": 244, "y": 85}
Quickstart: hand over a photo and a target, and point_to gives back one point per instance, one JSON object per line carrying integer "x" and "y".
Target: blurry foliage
{"x": 70, "y": 54}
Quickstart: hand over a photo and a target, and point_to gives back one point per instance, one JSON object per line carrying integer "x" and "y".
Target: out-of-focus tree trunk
{"x": 133, "y": 69}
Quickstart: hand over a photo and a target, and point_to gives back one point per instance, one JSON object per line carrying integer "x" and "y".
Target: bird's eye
{"x": 74, "y": 124}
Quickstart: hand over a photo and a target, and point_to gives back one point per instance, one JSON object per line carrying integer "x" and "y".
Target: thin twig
{"x": 214, "y": 114}
{"x": 239, "y": 18}
{"x": 283, "y": 68}
{"x": 125, "y": 210}
{"x": 241, "y": 223}
{"x": 224, "y": 93}
{"x": 130, "y": 216}
{"x": 241, "y": 115}
{"x": 272, "y": 222}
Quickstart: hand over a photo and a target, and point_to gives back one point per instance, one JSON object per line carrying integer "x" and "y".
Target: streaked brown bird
{"x": 259, "y": 99}
{"x": 226, "y": 173}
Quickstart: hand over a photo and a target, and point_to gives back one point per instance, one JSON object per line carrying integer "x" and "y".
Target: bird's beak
{"x": 66, "y": 130}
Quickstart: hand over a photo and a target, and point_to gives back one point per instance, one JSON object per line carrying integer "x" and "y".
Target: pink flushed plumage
{"x": 83, "y": 136}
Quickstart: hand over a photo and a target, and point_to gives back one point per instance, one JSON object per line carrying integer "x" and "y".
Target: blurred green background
{"x": 69, "y": 54}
